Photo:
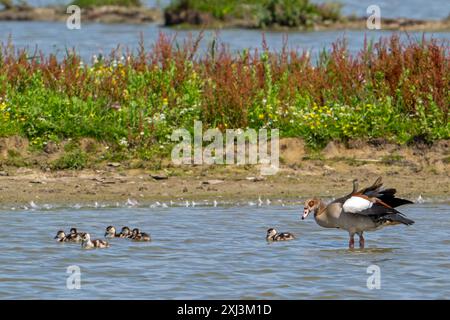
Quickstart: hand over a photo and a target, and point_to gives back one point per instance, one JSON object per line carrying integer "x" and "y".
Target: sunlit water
{"x": 221, "y": 253}
{"x": 95, "y": 38}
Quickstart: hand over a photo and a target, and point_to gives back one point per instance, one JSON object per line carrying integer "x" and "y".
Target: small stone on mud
{"x": 212, "y": 182}
{"x": 255, "y": 179}
{"x": 114, "y": 164}
{"x": 51, "y": 147}
{"x": 159, "y": 176}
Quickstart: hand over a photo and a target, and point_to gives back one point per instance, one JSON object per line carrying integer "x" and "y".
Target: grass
{"x": 291, "y": 13}
{"x": 74, "y": 159}
{"x": 393, "y": 90}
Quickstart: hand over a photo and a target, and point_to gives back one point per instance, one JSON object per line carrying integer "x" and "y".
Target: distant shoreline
{"x": 142, "y": 15}
{"x": 102, "y": 14}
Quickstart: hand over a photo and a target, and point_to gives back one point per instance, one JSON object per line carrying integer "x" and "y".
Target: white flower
{"x": 123, "y": 142}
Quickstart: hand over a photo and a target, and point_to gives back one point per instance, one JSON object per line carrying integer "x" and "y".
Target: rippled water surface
{"x": 207, "y": 252}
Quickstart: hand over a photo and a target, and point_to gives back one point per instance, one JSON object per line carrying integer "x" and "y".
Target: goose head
{"x": 271, "y": 233}
{"x": 110, "y": 231}
{"x": 60, "y": 235}
{"x": 311, "y": 205}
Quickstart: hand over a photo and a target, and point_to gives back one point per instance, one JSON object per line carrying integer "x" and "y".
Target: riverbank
{"x": 415, "y": 171}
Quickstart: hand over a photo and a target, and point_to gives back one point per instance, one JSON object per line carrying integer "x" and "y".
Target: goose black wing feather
{"x": 380, "y": 213}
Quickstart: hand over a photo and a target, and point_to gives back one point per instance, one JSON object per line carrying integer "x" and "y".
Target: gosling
{"x": 273, "y": 235}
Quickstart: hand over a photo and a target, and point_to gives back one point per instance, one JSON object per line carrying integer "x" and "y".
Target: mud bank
{"x": 415, "y": 171}
{"x": 103, "y": 14}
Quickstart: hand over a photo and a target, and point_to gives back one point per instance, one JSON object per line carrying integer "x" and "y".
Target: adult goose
{"x": 368, "y": 209}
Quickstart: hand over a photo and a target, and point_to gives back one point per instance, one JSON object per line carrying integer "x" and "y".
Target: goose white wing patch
{"x": 356, "y": 205}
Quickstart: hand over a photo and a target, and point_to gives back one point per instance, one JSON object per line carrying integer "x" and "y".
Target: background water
{"x": 221, "y": 253}
{"x": 95, "y": 38}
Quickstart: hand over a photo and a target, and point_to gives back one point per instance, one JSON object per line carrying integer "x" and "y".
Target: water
{"x": 221, "y": 253}
{"x": 95, "y": 38}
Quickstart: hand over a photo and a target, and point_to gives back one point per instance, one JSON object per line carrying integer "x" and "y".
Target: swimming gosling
{"x": 110, "y": 232}
{"x": 61, "y": 236}
{"x": 87, "y": 243}
{"x": 137, "y": 235}
{"x": 273, "y": 235}
{"x": 125, "y": 232}
{"x": 74, "y": 235}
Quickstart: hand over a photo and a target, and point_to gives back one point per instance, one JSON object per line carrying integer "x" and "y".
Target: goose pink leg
{"x": 351, "y": 243}
{"x": 361, "y": 241}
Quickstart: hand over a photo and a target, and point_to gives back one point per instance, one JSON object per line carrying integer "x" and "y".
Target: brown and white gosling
{"x": 87, "y": 243}
{"x": 61, "y": 236}
{"x": 137, "y": 235}
{"x": 73, "y": 236}
{"x": 125, "y": 232}
{"x": 111, "y": 233}
{"x": 273, "y": 235}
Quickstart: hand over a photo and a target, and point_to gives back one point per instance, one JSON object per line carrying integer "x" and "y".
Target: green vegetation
{"x": 10, "y": 4}
{"x": 75, "y": 159}
{"x": 291, "y": 13}
{"x": 99, "y": 3}
{"x": 7, "y": 4}
{"x": 391, "y": 90}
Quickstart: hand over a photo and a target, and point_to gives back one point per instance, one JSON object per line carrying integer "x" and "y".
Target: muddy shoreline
{"x": 103, "y": 14}
{"x": 414, "y": 171}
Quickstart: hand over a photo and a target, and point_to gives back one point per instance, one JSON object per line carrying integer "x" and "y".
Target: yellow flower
{"x": 261, "y": 116}
{"x": 165, "y": 101}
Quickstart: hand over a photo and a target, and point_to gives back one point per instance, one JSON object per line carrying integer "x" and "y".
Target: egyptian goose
{"x": 369, "y": 209}
{"x": 87, "y": 243}
{"x": 273, "y": 235}
{"x": 125, "y": 232}
{"x": 137, "y": 235}
{"x": 110, "y": 232}
{"x": 74, "y": 235}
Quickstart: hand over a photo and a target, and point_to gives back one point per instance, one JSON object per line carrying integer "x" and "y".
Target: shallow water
{"x": 95, "y": 38}
{"x": 208, "y": 253}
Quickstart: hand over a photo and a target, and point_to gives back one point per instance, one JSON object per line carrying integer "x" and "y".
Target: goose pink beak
{"x": 305, "y": 213}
